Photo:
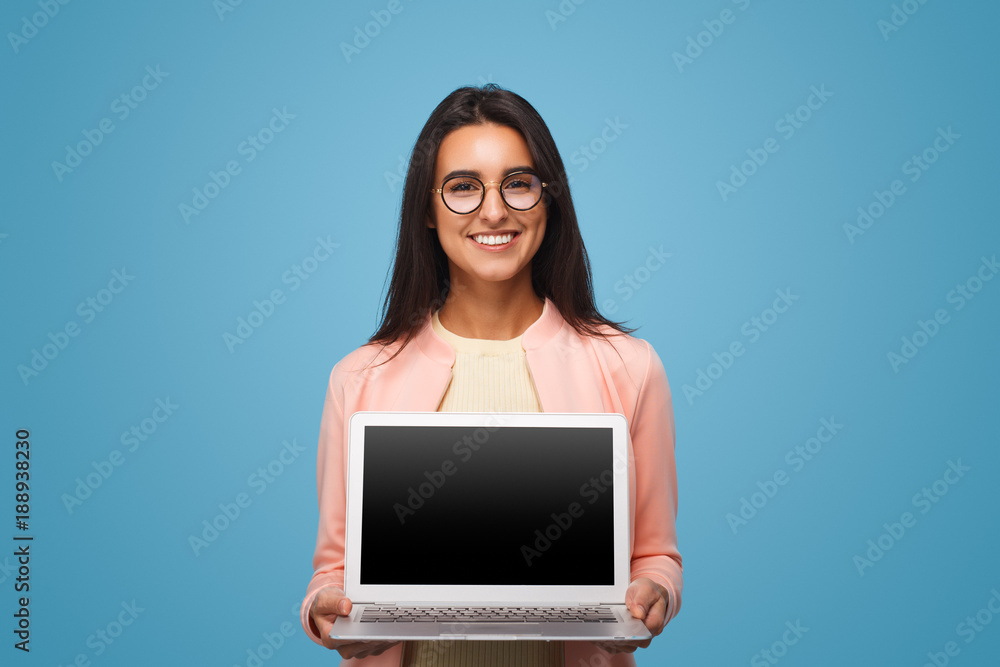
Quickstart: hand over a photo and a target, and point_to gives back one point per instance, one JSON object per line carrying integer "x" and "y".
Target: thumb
{"x": 344, "y": 606}
{"x": 639, "y": 597}
{"x": 332, "y": 601}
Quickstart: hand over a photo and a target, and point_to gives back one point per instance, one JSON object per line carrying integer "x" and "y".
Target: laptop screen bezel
{"x": 486, "y": 594}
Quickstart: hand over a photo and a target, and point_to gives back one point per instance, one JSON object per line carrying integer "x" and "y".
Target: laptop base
{"x": 623, "y": 628}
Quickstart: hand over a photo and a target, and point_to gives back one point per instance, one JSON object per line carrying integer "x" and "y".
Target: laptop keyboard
{"x": 402, "y": 614}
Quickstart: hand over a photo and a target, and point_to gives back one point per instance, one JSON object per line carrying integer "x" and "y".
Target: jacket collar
{"x": 553, "y": 363}
{"x": 565, "y": 377}
{"x": 535, "y": 336}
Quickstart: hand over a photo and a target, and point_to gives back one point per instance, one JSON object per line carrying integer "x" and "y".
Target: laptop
{"x": 487, "y": 526}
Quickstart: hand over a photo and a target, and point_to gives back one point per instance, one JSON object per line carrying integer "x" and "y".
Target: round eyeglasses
{"x": 521, "y": 191}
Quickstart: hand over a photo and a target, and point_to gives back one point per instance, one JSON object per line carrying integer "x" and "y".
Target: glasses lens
{"x": 521, "y": 191}
{"x": 462, "y": 194}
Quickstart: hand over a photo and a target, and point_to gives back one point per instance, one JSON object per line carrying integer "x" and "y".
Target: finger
{"x": 332, "y": 601}
{"x": 379, "y": 649}
{"x": 617, "y": 647}
{"x": 352, "y": 649}
{"x": 640, "y": 596}
{"x": 344, "y": 606}
{"x": 366, "y": 649}
{"x": 324, "y": 624}
{"x": 324, "y": 627}
{"x": 656, "y": 617}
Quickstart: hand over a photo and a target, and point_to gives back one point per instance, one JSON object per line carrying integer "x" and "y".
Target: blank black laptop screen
{"x": 455, "y": 505}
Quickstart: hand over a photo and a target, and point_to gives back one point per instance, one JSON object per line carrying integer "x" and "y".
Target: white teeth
{"x": 493, "y": 240}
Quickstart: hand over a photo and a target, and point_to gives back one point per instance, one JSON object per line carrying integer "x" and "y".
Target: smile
{"x": 495, "y": 241}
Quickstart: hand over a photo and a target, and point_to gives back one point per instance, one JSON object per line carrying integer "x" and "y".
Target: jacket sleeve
{"x": 331, "y": 474}
{"x": 654, "y": 550}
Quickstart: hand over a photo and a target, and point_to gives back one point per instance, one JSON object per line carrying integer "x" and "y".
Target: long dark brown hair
{"x": 560, "y": 270}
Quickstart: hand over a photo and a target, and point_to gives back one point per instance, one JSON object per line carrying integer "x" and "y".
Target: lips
{"x": 494, "y": 240}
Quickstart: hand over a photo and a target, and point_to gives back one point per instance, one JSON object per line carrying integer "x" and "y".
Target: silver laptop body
{"x": 487, "y": 526}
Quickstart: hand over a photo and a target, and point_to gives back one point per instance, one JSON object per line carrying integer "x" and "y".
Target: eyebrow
{"x": 479, "y": 175}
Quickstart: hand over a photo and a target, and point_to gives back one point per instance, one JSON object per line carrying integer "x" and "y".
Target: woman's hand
{"x": 647, "y": 600}
{"x": 328, "y": 605}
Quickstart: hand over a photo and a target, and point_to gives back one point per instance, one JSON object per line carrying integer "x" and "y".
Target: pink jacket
{"x": 572, "y": 373}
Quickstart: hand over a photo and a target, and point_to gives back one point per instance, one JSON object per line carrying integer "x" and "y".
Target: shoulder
{"x": 624, "y": 350}
{"x": 366, "y": 356}
{"x": 366, "y": 362}
{"x": 632, "y": 363}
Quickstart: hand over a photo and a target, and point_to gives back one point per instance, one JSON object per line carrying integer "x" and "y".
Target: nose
{"x": 493, "y": 208}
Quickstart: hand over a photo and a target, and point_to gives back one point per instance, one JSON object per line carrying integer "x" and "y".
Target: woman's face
{"x": 488, "y": 152}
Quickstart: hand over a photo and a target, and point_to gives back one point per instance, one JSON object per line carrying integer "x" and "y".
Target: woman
{"x": 491, "y": 308}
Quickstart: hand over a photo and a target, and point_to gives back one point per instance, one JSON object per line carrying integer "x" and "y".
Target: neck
{"x": 490, "y": 311}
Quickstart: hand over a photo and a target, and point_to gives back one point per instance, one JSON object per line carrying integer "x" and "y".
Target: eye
{"x": 520, "y": 183}
{"x": 462, "y": 186}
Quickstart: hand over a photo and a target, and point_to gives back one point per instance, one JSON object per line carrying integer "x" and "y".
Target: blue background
{"x": 681, "y": 127}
